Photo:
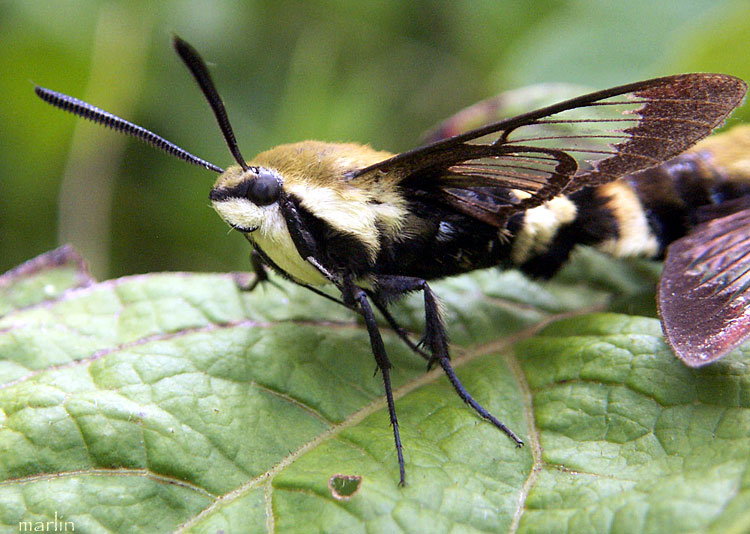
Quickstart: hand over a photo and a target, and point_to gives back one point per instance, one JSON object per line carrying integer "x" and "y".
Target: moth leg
{"x": 436, "y": 339}
{"x": 468, "y": 399}
{"x": 400, "y": 330}
{"x": 259, "y": 270}
{"x": 353, "y": 293}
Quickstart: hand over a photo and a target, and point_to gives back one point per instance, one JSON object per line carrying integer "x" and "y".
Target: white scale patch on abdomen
{"x": 635, "y": 237}
{"x": 540, "y": 225}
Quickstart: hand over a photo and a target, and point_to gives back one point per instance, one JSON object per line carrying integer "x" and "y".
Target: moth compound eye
{"x": 264, "y": 189}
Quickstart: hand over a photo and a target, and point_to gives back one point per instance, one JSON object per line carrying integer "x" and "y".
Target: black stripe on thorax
{"x": 338, "y": 251}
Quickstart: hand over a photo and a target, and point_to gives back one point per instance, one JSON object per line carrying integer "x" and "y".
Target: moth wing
{"x": 588, "y": 140}
{"x": 704, "y": 291}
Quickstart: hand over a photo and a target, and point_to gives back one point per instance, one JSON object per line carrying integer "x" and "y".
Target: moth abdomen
{"x": 638, "y": 215}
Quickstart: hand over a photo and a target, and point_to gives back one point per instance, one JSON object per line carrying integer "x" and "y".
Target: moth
{"x": 519, "y": 192}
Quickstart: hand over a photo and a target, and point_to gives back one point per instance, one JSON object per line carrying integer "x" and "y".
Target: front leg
{"x": 261, "y": 273}
{"x": 353, "y": 297}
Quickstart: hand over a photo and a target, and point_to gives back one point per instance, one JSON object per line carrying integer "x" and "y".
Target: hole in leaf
{"x": 344, "y": 487}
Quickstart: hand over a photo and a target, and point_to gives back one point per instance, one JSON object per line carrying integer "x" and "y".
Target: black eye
{"x": 264, "y": 189}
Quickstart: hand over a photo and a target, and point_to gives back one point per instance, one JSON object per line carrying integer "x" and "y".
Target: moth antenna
{"x": 95, "y": 114}
{"x": 199, "y": 70}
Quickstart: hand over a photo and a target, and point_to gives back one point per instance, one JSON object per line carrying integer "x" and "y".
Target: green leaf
{"x": 45, "y": 277}
{"x": 176, "y": 402}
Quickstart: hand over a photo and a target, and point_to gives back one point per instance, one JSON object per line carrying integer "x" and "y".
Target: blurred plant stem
{"x": 85, "y": 198}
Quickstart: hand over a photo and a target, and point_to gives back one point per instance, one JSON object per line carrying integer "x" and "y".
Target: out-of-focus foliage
{"x": 376, "y": 72}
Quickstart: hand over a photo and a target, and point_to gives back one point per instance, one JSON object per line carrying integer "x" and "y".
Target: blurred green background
{"x": 375, "y": 72}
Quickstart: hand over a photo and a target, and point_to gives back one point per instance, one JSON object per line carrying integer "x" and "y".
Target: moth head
{"x": 245, "y": 198}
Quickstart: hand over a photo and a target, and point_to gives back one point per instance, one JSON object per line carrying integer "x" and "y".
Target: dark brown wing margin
{"x": 678, "y": 111}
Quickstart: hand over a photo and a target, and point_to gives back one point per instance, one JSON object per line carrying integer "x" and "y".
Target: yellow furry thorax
{"x": 317, "y": 173}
